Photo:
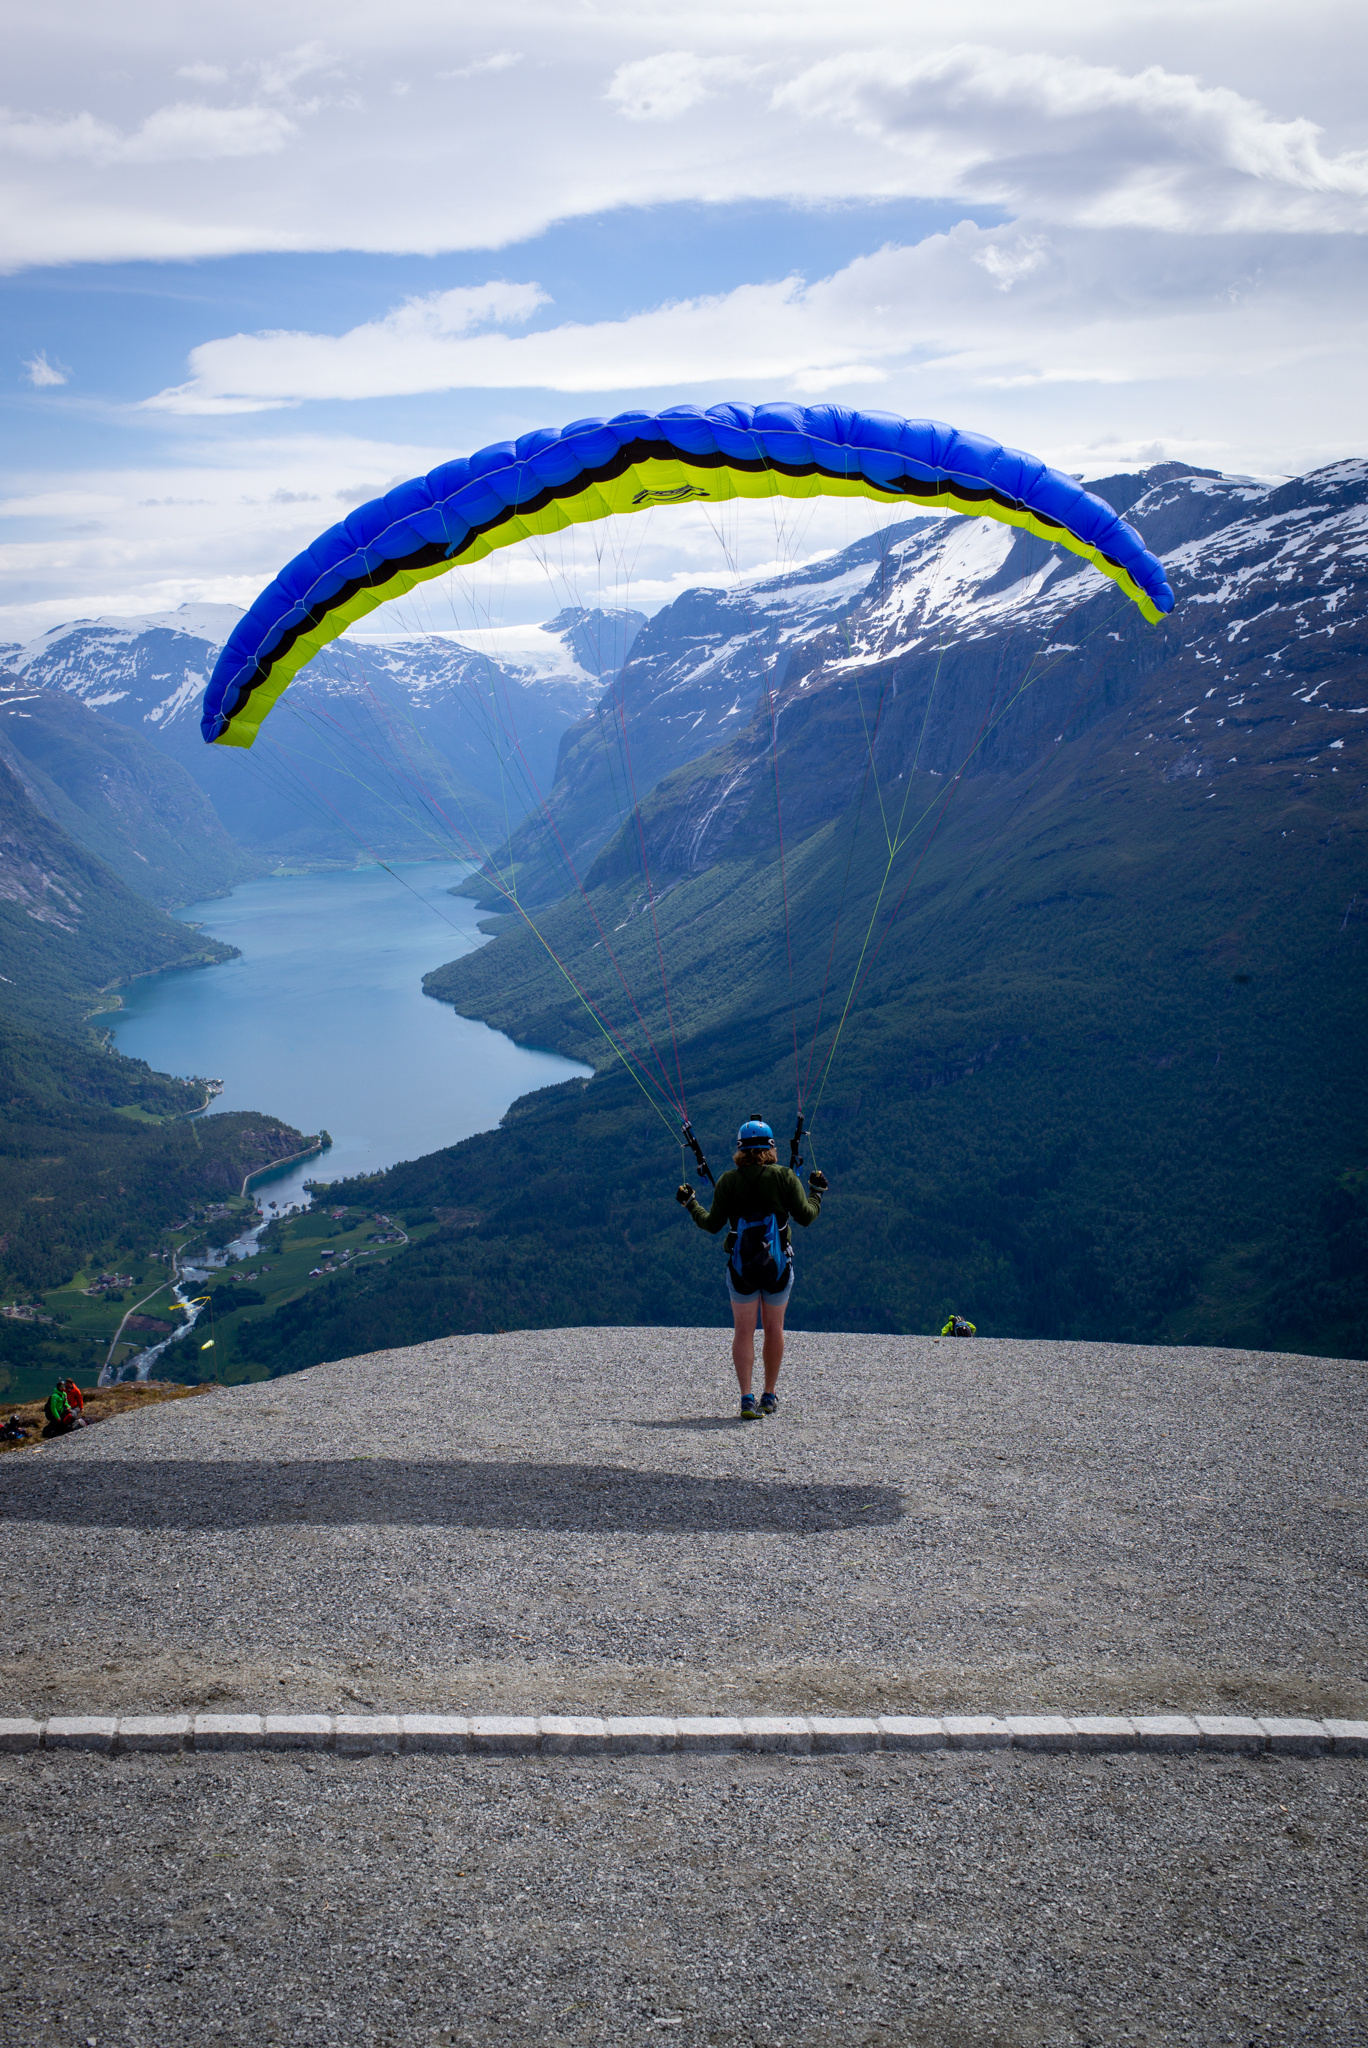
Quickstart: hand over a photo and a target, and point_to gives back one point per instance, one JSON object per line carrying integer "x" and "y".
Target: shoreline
{"x": 320, "y": 1144}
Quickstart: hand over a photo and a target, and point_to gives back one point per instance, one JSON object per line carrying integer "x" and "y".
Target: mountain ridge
{"x": 118, "y": 795}
{"x": 385, "y": 745}
{"x": 906, "y": 656}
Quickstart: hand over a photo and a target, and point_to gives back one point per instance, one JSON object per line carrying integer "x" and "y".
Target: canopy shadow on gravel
{"x": 702, "y": 1424}
{"x": 147, "y": 1493}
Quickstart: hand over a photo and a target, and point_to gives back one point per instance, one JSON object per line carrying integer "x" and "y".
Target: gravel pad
{"x": 573, "y": 1521}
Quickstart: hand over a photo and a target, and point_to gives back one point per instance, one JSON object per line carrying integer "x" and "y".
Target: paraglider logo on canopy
{"x": 678, "y": 496}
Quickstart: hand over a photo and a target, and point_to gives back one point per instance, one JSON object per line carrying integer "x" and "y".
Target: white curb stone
{"x": 298, "y": 1731}
{"x": 641, "y": 1734}
{"x": 81, "y": 1731}
{"x": 697, "y": 1734}
{"x": 154, "y": 1732}
{"x": 711, "y": 1734}
{"x": 1094, "y": 1734}
{"x": 435, "y": 1734}
{"x": 228, "y": 1731}
{"x": 504, "y": 1734}
{"x": 843, "y": 1736}
{"x": 779, "y": 1734}
{"x": 1167, "y": 1732}
{"x": 368, "y": 1734}
{"x": 572, "y": 1735}
{"x": 18, "y": 1736}
{"x": 1048, "y": 1732}
{"x": 1236, "y": 1734}
{"x": 911, "y": 1731}
{"x": 1295, "y": 1737}
{"x": 977, "y": 1731}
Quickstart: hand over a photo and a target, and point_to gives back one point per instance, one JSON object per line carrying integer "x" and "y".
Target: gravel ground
{"x": 946, "y": 1902}
{"x": 571, "y": 1521}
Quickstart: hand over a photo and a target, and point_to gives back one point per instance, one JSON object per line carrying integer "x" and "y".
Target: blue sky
{"x": 263, "y": 262}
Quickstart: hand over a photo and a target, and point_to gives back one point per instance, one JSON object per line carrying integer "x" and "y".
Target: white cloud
{"x": 411, "y": 349}
{"x": 213, "y": 526}
{"x": 1088, "y": 143}
{"x": 826, "y": 103}
{"x": 1006, "y": 264}
{"x": 1001, "y": 305}
{"x": 661, "y": 88}
{"x": 484, "y": 67}
{"x": 182, "y": 132}
{"x": 42, "y": 373}
{"x": 1180, "y": 276}
{"x": 279, "y": 75}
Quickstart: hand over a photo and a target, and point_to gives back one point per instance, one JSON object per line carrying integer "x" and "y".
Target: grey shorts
{"x": 762, "y": 1294}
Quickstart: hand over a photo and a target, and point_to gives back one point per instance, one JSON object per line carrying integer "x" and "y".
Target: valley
{"x": 1093, "y": 894}
{"x": 1069, "y": 910}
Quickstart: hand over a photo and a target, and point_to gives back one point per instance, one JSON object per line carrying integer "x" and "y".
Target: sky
{"x": 259, "y": 263}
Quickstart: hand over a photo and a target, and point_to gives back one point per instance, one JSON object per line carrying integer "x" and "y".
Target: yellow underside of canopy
{"x": 641, "y": 488}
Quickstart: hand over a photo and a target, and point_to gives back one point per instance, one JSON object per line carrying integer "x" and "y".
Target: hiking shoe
{"x": 769, "y": 1404}
{"x": 749, "y": 1410}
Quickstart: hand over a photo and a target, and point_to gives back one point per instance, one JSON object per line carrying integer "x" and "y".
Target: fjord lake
{"x": 322, "y": 1020}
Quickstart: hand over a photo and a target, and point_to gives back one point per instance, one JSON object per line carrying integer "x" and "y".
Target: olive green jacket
{"x": 754, "y": 1190}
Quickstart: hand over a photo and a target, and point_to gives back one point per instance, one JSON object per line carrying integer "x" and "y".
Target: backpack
{"x": 57, "y": 1407}
{"x": 759, "y": 1254}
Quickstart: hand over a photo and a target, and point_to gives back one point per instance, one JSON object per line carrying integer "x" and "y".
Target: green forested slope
{"x": 119, "y": 795}
{"x": 69, "y": 927}
{"x": 98, "y": 1155}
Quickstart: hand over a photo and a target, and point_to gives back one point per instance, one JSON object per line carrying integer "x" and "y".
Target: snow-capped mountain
{"x": 943, "y": 645}
{"x": 690, "y": 683}
{"x": 984, "y": 642}
{"x": 470, "y": 725}
{"x": 962, "y": 646}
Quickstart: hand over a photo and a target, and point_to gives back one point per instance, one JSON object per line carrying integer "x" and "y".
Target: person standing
{"x": 756, "y": 1201}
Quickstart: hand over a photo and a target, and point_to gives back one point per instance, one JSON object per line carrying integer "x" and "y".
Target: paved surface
{"x": 570, "y": 1521}
{"x": 939, "y": 1902}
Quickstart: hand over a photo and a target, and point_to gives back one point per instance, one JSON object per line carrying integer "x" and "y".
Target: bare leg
{"x": 743, "y": 1341}
{"x": 773, "y": 1318}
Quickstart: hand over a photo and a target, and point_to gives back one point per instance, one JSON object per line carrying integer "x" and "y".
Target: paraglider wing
{"x": 548, "y": 480}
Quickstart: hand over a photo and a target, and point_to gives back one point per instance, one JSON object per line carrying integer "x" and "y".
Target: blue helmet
{"x": 754, "y": 1136}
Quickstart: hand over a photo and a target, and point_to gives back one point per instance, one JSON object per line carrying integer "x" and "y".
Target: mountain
{"x": 974, "y": 654}
{"x": 69, "y": 927}
{"x": 408, "y": 746}
{"x": 960, "y": 646}
{"x": 690, "y": 680}
{"x": 118, "y": 795}
{"x": 1066, "y": 956}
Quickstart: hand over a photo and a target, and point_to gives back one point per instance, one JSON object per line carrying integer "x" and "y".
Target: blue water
{"x": 323, "y": 1020}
